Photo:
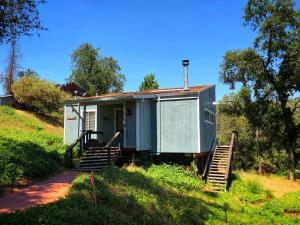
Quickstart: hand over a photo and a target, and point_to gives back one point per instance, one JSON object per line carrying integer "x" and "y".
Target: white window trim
{"x": 137, "y": 117}
{"x": 198, "y": 124}
{"x": 90, "y": 110}
{"x": 207, "y": 121}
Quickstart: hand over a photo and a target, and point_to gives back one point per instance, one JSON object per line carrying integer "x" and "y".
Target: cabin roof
{"x": 152, "y": 93}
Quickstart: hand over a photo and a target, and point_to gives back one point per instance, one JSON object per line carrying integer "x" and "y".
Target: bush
{"x": 26, "y": 159}
{"x": 39, "y": 95}
{"x": 289, "y": 203}
{"x": 250, "y": 190}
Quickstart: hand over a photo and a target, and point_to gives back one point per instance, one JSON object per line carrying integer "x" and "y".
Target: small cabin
{"x": 170, "y": 120}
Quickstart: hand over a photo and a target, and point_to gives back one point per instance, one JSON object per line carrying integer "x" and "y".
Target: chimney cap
{"x": 185, "y": 62}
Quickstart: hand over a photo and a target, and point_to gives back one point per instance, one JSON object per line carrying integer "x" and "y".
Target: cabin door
{"x": 118, "y": 120}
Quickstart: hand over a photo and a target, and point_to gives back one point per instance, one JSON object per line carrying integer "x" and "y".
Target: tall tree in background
{"x": 149, "y": 82}
{"x": 10, "y": 74}
{"x": 95, "y": 73}
{"x": 271, "y": 68}
{"x": 18, "y": 17}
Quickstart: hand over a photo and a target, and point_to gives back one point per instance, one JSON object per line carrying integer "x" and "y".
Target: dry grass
{"x": 50, "y": 128}
{"x": 279, "y": 185}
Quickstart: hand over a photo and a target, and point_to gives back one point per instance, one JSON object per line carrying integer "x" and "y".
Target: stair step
{"x": 217, "y": 179}
{"x": 93, "y": 160}
{"x": 93, "y": 163}
{"x": 218, "y": 166}
{"x": 216, "y": 173}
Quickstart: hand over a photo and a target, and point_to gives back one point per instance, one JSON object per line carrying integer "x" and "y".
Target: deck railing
{"x": 208, "y": 159}
{"x": 113, "y": 140}
{"x": 229, "y": 161}
{"x": 83, "y": 140}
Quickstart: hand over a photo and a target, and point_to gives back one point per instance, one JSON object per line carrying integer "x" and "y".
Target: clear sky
{"x": 144, "y": 36}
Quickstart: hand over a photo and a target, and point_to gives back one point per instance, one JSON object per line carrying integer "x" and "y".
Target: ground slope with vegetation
{"x": 161, "y": 194}
{"x": 30, "y": 147}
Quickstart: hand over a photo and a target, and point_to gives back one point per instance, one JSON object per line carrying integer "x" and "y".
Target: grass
{"x": 160, "y": 194}
{"x": 279, "y": 185}
{"x": 29, "y": 147}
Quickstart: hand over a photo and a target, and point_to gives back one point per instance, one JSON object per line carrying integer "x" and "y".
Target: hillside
{"x": 162, "y": 194}
{"x": 29, "y": 146}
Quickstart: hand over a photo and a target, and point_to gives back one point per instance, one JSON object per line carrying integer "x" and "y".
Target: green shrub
{"x": 290, "y": 202}
{"x": 39, "y": 95}
{"x": 251, "y": 190}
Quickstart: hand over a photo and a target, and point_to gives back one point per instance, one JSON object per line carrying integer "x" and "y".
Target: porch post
{"x": 78, "y": 120}
{"x": 83, "y": 119}
{"x": 124, "y": 124}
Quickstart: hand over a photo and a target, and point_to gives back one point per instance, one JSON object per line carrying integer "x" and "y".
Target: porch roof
{"x": 152, "y": 93}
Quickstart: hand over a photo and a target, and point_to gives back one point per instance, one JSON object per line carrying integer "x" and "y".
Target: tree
{"x": 270, "y": 69}
{"x": 39, "y": 95}
{"x": 18, "y": 17}
{"x": 72, "y": 89}
{"x": 94, "y": 73}
{"x": 27, "y": 73}
{"x": 10, "y": 73}
{"x": 149, "y": 82}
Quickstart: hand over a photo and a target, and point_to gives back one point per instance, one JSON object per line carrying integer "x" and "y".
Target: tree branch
{"x": 296, "y": 106}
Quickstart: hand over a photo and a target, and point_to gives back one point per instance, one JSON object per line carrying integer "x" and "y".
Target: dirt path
{"x": 40, "y": 193}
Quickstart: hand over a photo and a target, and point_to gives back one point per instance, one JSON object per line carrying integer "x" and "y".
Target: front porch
{"x": 104, "y": 120}
{"x": 106, "y": 130}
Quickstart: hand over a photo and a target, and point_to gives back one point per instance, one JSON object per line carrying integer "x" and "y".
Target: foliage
{"x": 159, "y": 194}
{"x": 269, "y": 72}
{"x": 27, "y": 73}
{"x": 27, "y": 149}
{"x": 289, "y": 203}
{"x": 39, "y": 95}
{"x": 95, "y": 73}
{"x": 149, "y": 82}
{"x": 10, "y": 74}
{"x": 72, "y": 89}
{"x": 18, "y": 17}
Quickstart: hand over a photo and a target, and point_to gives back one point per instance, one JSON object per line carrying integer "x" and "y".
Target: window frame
{"x": 210, "y": 115}
{"x": 90, "y": 111}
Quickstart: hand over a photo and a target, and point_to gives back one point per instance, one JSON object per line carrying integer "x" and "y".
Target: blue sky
{"x": 144, "y": 36}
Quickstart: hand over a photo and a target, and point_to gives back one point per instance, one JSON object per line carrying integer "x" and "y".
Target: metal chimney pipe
{"x": 185, "y": 64}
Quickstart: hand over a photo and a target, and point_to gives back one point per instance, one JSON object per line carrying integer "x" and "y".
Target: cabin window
{"x": 209, "y": 117}
{"x": 90, "y": 120}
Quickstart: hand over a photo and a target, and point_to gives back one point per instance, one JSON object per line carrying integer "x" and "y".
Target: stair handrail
{"x": 109, "y": 144}
{"x": 79, "y": 139}
{"x": 84, "y": 137}
{"x": 208, "y": 159}
{"x": 231, "y": 148}
{"x": 211, "y": 164}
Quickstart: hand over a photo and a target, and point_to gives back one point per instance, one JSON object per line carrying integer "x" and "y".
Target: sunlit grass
{"x": 161, "y": 194}
{"x": 279, "y": 185}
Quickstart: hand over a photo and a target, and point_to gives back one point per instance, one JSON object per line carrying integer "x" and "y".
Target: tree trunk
{"x": 292, "y": 163}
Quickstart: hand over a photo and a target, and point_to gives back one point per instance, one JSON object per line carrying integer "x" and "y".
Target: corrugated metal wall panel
{"x": 144, "y": 127}
{"x": 177, "y": 126}
{"x": 70, "y": 125}
{"x": 207, "y": 130}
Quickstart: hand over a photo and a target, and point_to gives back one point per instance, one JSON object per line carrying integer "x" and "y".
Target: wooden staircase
{"x": 220, "y": 166}
{"x": 96, "y": 158}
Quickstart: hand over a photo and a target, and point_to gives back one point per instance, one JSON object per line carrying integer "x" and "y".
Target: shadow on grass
{"x": 123, "y": 197}
{"x": 146, "y": 201}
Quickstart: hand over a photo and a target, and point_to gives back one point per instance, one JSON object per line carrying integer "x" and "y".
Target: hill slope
{"x": 29, "y": 147}
{"x": 160, "y": 194}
